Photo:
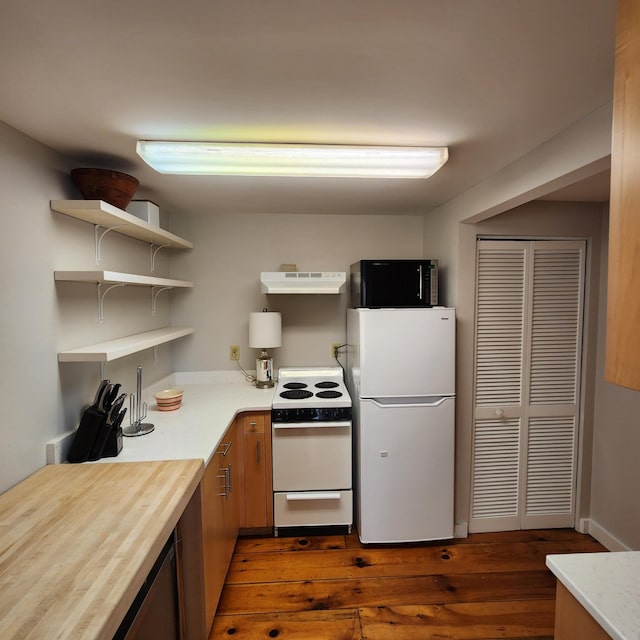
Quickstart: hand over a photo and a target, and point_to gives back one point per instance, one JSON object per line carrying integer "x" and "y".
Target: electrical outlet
{"x": 234, "y": 352}
{"x": 334, "y": 349}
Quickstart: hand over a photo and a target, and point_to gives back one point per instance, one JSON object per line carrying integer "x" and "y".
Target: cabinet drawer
{"x": 313, "y": 508}
{"x": 253, "y": 423}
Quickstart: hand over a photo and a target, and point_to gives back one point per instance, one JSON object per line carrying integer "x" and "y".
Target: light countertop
{"x": 607, "y": 585}
{"x": 210, "y": 402}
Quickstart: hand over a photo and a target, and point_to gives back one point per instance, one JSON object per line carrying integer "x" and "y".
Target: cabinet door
{"x": 213, "y": 535}
{"x": 231, "y": 457}
{"x": 573, "y": 620}
{"x": 221, "y": 506}
{"x": 256, "y": 429}
{"x": 623, "y": 299}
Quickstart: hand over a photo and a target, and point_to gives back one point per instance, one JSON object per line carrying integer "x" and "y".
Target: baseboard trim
{"x": 461, "y": 530}
{"x": 604, "y": 537}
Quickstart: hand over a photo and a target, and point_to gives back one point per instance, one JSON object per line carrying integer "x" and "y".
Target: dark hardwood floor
{"x": 331, "y": 587}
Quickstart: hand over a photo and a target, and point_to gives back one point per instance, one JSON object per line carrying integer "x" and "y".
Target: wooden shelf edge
{"x": 121, "y": 347}
{"x": 105, "y": 214}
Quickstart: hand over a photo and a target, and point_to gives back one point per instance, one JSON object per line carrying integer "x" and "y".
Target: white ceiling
{"x": 491, "y": 79}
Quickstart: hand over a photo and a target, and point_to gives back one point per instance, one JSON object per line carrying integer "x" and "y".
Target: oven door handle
{"x": 327, "y": 495}
{"x": 308, "y": 425}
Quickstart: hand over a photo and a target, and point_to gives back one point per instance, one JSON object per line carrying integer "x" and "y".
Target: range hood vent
{"x": 303, "y": 281}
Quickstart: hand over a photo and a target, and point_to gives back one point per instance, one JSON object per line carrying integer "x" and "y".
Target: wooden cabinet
{"x": 190, "y": 568}
{"x": 222, "y": 505}
{"x": 573, "y": 620}
{"x": 258, "y": 494}
{"x": 213, "y": 534}
{"x": 236, "y": 493}
{"x": 623, "y": 304}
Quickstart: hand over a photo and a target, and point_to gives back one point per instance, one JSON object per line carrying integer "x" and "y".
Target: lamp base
{"x": 264, "y": 371}
{"x": 265, "y": 385}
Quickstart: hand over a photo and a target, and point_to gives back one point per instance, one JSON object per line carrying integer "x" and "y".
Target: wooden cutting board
{"x": 77, "y": 541}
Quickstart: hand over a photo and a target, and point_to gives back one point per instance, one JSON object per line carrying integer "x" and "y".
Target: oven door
{"x": 311, "y": 456}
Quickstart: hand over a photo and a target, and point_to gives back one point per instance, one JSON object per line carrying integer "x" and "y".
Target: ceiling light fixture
{"x": 305, "y": 160}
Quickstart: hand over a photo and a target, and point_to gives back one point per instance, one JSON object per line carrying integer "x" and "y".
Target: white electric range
{"x": 311, "y": 446}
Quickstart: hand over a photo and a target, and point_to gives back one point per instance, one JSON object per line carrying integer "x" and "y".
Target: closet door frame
{"x": 515, "y": 419}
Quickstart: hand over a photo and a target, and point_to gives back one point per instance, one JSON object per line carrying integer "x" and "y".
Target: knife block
{"x": 86, "y": 435}
{"x": 113, "y": 446}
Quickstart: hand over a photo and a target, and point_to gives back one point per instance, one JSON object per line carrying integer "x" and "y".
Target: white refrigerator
{"x": 401, "y": 377}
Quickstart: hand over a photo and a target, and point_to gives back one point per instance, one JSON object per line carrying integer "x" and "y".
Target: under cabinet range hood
{"x": 303, "y": 281}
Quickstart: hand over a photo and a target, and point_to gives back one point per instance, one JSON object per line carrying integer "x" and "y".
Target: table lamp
{"x": 265, "y": 332}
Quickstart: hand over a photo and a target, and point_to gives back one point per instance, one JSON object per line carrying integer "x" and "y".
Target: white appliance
{"x": 311, "y": 449}
{"x": 401, "y": 376}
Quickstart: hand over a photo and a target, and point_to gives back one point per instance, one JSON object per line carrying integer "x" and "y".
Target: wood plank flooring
{"x": 491, "y": 585}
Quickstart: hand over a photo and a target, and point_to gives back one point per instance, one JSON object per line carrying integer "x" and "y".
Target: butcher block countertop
{"x": 77, "y": 542}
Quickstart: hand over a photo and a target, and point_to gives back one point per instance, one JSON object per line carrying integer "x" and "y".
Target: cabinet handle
{"x": 225, "y": 477}
{"x": 225, "y": 448}
{"x": 229, "y": 476}
{"x": 253, "y": 423}
{"x": 258, "y": 451}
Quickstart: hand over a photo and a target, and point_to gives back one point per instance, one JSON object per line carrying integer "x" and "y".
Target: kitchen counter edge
{"x": 210, "y": 403}
{"x": 607, "y": 585}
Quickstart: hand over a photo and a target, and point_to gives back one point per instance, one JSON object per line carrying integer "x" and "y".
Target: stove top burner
{"x": 326, "y": 384}
{"x": 305, "y": 394}
{"x": 328, "y": 394}
{"x": 295, "y": 385}
{"x": 296, "y": 394}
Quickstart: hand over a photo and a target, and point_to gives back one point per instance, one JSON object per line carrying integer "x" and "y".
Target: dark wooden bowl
{"x": 113, "y": 187}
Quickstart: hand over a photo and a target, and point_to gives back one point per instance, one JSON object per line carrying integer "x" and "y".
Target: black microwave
{"x": 393, "y": 283}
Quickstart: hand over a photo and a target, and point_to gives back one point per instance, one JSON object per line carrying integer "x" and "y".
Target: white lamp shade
{"x": 265, "y": 329}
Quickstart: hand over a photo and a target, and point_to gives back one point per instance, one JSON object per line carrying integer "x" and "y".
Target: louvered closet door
{"x": 529, "y": 301}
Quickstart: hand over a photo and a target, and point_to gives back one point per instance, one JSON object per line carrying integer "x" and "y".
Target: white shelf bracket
{"x": 155, "y": 292}
{"x": 155, "y": 355}
{"x": 101, "y": 295}
{"x": 154, "y": 252}
{"x": 103, "y": 366}
{"x": 99, "y": 236}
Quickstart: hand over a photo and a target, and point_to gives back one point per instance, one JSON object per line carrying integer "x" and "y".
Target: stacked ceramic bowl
{"x": 169, "y": 399}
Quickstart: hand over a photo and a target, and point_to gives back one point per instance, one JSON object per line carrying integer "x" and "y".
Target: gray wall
{"x": 540, "y": 220}
{"x": 231, "y": 251}
{"x": 615, "y": 517}
{"x": 42, "y": 399}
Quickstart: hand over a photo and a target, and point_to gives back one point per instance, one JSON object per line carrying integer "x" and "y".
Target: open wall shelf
{"x": 114, "y": 277}
{"x": 106, "y": 218}
{"x": 102, "y": 213}
{"x": 109, "y": 280}
{"x": 121, "y": 347}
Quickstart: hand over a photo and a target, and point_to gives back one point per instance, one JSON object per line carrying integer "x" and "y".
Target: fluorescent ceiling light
{"x": 212, "y": 158}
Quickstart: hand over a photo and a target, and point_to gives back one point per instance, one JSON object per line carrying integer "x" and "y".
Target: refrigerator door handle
{"x": 422, "y": 401}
